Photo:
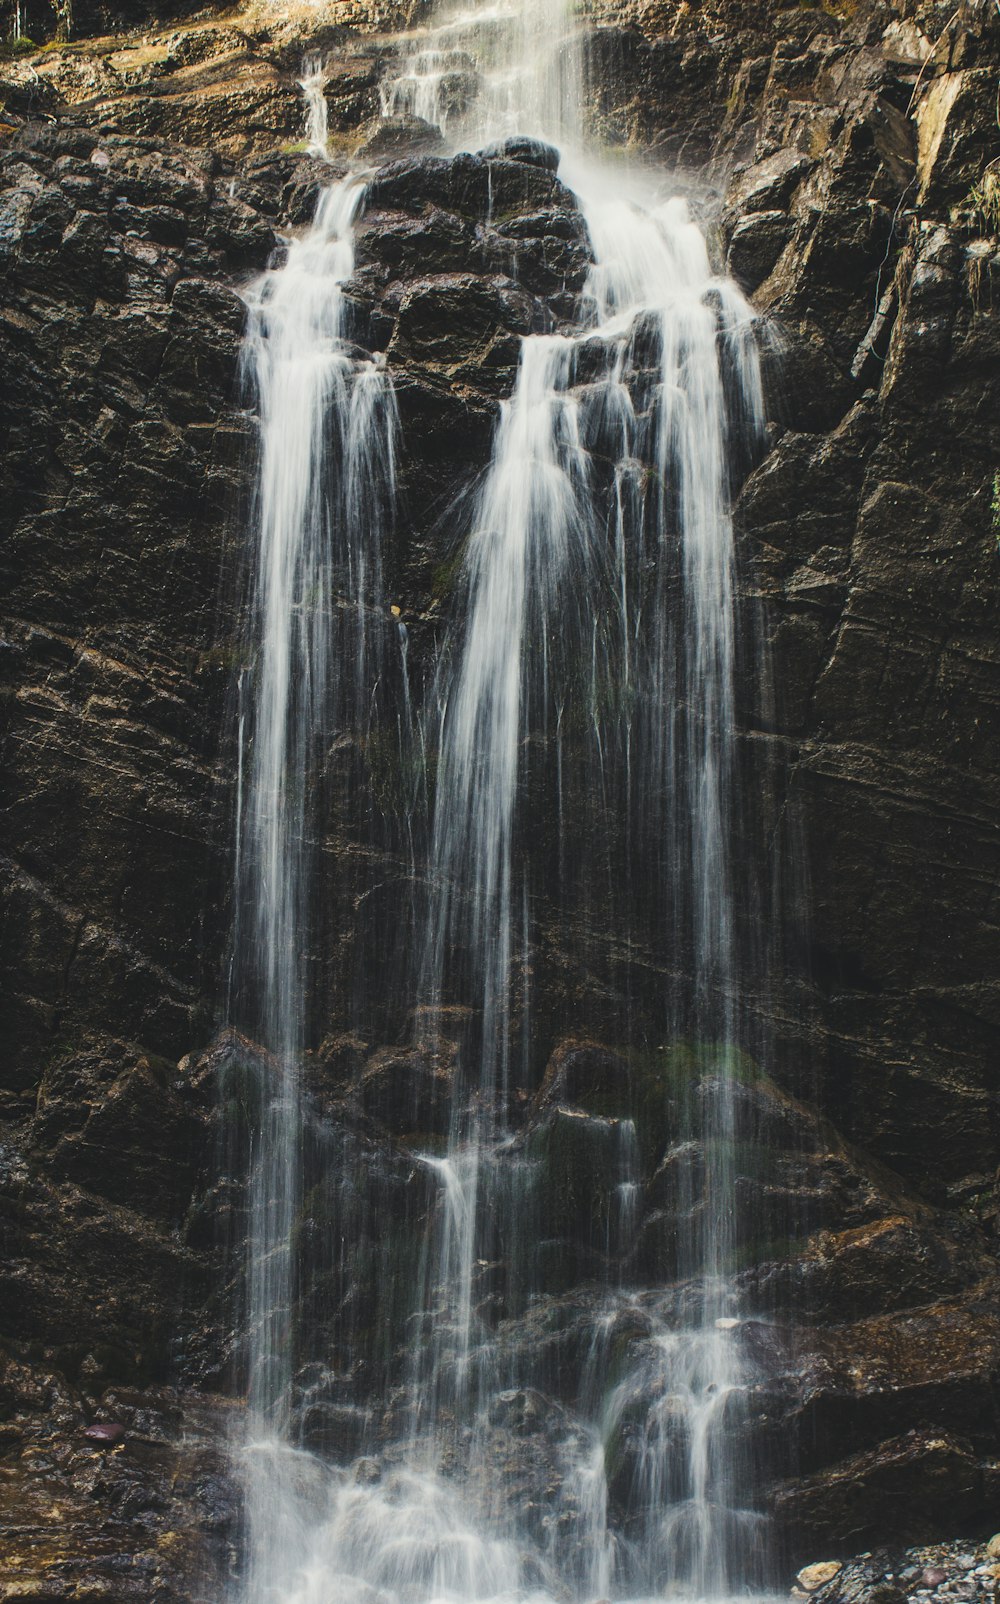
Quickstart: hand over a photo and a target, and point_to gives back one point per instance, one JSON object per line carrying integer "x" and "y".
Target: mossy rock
{"x": 653, "y": 1087}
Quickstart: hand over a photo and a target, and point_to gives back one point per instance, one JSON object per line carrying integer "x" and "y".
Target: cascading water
{"x": 313, "y": 84}
{"x": 532, "y": 539}
{"x": 538, "y": 560}
{"x": 327, "y": 430}
{"x": 491, "y": 70}
{"x": 593, "y": 650}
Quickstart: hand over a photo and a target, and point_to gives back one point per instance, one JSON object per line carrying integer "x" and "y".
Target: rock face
{"x": 142, "y": 182}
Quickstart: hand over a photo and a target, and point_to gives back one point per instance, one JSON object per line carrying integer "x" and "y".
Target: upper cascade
{"x": 489, "y": 71}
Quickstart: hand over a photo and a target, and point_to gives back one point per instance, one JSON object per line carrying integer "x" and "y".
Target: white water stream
{"x": 327, "y": 441}
{"x": 313, "y": 86}
{"x": 660, "y": 338}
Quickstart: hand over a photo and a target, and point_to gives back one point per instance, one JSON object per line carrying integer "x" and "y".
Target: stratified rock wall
{"x": 841, "y": 158}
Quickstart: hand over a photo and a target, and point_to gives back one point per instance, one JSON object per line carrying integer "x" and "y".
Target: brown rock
{"x": 810, "y": 1577}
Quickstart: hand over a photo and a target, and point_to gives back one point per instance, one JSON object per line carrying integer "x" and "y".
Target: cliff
{"x": 844, "y": 161}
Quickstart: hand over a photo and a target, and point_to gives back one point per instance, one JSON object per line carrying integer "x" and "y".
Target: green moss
{"x": 242, "y": 1091}
{"x": 446, "y": 573}
{"x": 763, "y": 1250}
{"x": 432, "y": 1142}
{"x": 225, "y": 656}
{"x": 663, "y": 1080}
{"x": 734, "y": 99}
{"x": 11, "y": 49}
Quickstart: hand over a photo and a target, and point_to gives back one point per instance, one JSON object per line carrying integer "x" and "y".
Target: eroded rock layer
{"x": 842, "y": 160}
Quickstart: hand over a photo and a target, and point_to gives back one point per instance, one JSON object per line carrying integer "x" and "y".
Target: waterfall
{"x": 313, "y": 86}
{"x": 536, "y": 566}
{"x": 486, "y": 71}
{"x": 531, "y": 538}
{"x": 326, "y": 454}
{"x": 592, "y": 657}
{"x": 536, "y": 563}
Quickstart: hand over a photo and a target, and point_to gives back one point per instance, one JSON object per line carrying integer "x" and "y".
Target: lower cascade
{"x": 541, "y": 1393}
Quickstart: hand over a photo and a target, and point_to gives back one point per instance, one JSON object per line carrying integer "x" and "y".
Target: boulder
{"x": 914, "y": 1486}
{"x": 520, "y": 149}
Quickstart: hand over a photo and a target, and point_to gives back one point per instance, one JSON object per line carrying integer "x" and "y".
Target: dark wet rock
{"x": 339, "y": 1061}
{"x": 491, "y": 192}
{"x": 125, "y": 1126}
{"x": 337, "y": 1431}
{"x": 411, "y": 182}
{"x": 86, "y": 1277}
{"x": 907, "y": 1485}
{"x": 410, "y": 245}
{"x": 147, "y": 350}
{"x": 530, "y": 1438}
{"x": 892, "y": 1263}
{"x": 462, "y": 327}
{"x": 578, "y": 1163}
{"x": 533, "y": 151}
{"x": 121, "y": 332}
{"x": 400, "y": 136}
{"x": 409, "y": 1090}
{"x": 517, "y": 254}
{"x": 458, "y": 259}
{"x": 767, "y": 185}
{"x": 168, "y": 1500}
{"x": 756, "y": 243}
{"x": 588, "y": 1075}
{"x": 839, "y": 1392}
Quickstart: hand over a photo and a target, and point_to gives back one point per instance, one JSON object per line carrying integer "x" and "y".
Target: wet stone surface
{"x": 961, "y": 1571}
{"x": 138, "y": 195}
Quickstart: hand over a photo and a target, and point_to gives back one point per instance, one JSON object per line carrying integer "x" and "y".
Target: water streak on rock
{"x": 326, "y": 471}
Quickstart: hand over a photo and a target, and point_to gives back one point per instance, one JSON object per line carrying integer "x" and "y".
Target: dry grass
{"x": 985, "y": 197}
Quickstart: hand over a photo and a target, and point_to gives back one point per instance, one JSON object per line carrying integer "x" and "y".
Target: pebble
{"x": 938, "y": 1573}
{"x": 104, "y": 1436}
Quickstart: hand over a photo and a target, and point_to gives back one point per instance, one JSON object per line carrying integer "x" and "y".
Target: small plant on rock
{"x": 984, "y": 197}
{"x": 21, "y": 45}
